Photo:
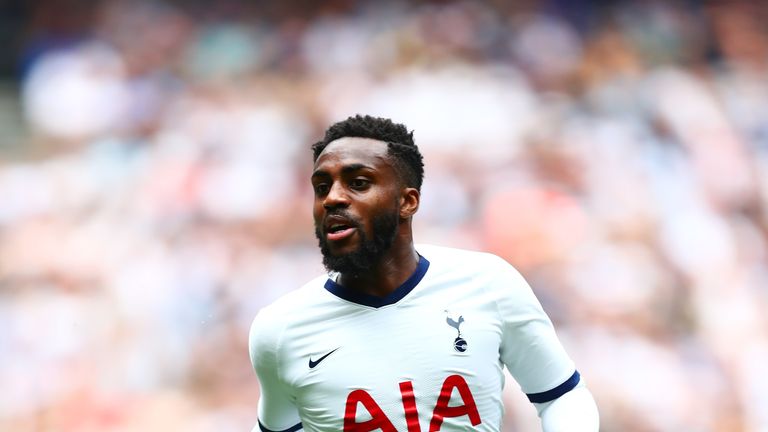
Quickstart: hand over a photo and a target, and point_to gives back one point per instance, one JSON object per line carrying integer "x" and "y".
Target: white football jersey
{"x": 428, "y": 357}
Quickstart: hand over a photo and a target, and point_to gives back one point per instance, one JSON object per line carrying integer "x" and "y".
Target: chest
{"x": 398, "y": 365}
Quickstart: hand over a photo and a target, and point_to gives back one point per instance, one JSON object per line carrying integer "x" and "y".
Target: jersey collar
{"x": 377, "y": 302}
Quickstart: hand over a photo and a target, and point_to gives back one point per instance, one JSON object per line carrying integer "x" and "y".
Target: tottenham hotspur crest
{"x": 459, "y": 344}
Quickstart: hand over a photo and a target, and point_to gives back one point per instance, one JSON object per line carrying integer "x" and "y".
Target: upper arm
{"x": 530, "y": 348}
{"x": 277, "y": 410}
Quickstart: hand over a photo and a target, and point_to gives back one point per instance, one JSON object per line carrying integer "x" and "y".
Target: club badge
{"x": 459, "y": 344}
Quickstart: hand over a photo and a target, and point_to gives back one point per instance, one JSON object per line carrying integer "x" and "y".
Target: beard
{"x": 369, "y": 251}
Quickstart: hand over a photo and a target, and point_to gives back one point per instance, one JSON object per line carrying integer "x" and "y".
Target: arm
{"x": 574, "y": 411}
{"x": 537, "y": 360}
{"x": 277, "y": 411}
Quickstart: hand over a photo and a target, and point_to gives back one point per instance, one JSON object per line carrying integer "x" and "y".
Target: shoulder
{"x": 271, "y": 321}
{"x": 280, "y": 312}
{"x": 469, "y": 261}
{"x": 462, "y": 263}
{"x": 493, "y": 274}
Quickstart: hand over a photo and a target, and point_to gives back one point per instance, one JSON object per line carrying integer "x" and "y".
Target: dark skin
{"x": 355, "y": 177}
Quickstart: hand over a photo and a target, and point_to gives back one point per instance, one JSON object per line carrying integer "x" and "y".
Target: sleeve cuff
{"x": 293, "y": 428}
{"x": 556, "y": 392}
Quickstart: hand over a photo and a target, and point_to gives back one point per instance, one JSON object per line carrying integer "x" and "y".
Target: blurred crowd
{"x": 615, "y": 152}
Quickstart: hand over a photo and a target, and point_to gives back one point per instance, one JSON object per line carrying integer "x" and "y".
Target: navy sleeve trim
{"x": 556, "y": 392}
{"x": 293, "y": 428}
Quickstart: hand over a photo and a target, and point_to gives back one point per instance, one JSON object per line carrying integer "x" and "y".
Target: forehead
{"x": 352, "y": 151}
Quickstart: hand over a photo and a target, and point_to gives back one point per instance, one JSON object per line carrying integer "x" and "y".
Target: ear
{"x": 409, "y": 202}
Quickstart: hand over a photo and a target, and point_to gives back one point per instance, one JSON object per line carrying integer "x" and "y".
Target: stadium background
{"x": 154, "y": 191}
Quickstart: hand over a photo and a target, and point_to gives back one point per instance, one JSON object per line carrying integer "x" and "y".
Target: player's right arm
{"x": 277, "y": 411}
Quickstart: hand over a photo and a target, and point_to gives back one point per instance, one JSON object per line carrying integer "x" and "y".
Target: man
{"x": 398, "y": 337}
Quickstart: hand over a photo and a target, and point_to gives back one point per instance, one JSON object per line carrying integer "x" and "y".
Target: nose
{"x": 336, "y": 197}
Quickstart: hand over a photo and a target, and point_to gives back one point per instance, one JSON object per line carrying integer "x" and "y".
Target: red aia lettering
{"x": 379, "y": 420}
{"x": 442, "y": 410}
{"x": 409, "y": 405}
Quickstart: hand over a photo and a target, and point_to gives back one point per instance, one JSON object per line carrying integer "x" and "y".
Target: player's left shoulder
{"x": 491, "y": 272}
{"x": 469, "y": 260}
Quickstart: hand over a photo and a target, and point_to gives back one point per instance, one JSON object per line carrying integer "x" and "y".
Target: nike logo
{"x": 312, "y": 364}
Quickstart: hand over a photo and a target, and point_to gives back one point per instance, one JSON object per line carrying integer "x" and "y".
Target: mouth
{"x": 339, "y": 231}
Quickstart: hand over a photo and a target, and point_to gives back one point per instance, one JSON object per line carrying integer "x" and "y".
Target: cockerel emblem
{"x": 459, "y": 344}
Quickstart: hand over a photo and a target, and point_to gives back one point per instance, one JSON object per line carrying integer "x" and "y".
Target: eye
{"x": 359, "y": 183}
{"x": 321, "y": 189}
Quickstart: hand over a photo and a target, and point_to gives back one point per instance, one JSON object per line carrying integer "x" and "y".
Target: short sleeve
{"x": 530, "y": 348}
{"x": 277, "y": 411}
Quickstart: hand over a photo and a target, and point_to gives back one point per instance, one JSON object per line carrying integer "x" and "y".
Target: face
{"x": 357, "y": 203}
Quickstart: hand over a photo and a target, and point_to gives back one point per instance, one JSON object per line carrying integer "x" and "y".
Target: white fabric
{"x": 410, "y": 341}
{"x": 574, "y": 411}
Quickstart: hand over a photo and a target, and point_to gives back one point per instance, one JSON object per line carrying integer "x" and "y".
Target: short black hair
{"x": 405, "y": 155}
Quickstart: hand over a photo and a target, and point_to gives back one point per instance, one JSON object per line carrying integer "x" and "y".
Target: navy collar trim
{"x": 377, "y": 302}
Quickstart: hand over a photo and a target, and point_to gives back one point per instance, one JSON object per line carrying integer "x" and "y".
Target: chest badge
{"x": 459, "y": 344}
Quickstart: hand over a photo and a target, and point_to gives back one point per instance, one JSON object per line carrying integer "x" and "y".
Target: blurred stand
{"x": 155, "y": 192}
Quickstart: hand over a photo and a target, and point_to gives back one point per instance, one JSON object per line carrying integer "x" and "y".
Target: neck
{"x": 394, "y": 268}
